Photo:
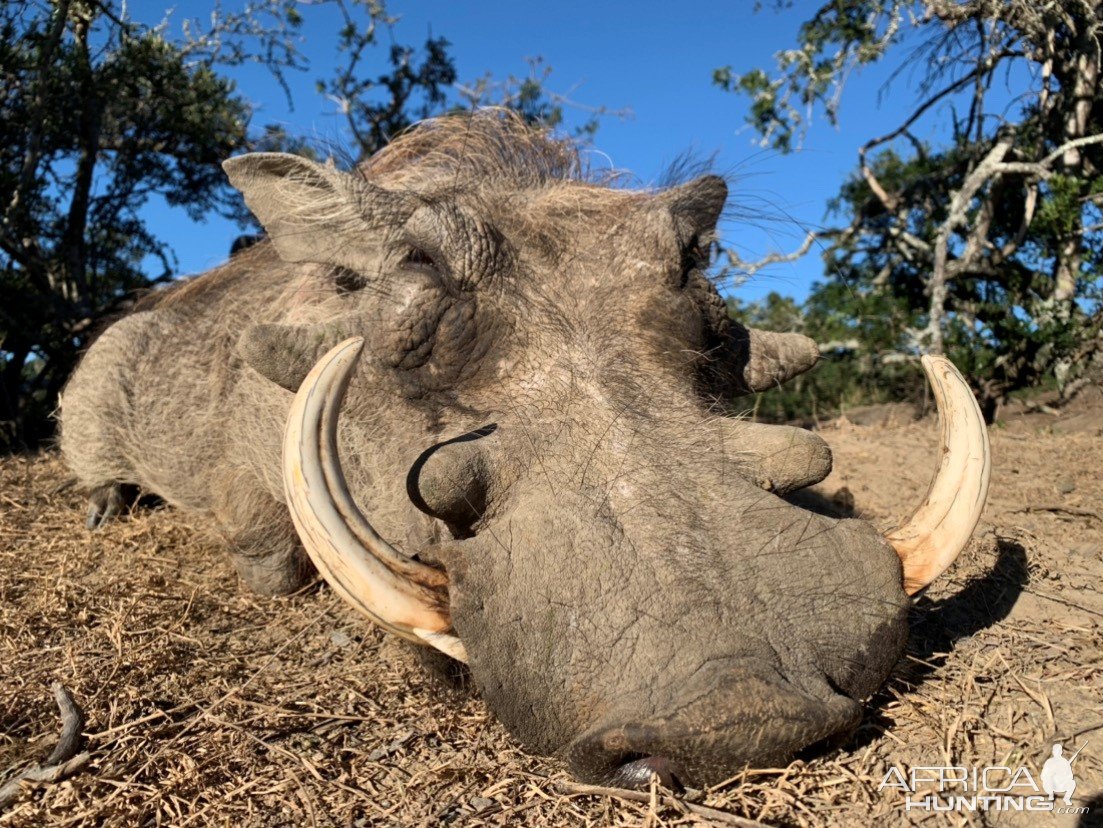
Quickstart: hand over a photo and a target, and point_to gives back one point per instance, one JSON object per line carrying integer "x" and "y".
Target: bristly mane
{"x": 483, "y": 146}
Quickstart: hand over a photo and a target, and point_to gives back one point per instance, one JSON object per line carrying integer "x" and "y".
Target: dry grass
{"x": 208, "y": 705}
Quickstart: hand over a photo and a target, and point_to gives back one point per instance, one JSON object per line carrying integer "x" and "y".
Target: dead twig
{"x": 1057, "y": 507}
{"x": 64, "y": 760}
{"x": 646, "y": 797}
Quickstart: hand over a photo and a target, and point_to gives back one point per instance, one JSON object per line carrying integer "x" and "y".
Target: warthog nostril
{"x": 636, "y": 774}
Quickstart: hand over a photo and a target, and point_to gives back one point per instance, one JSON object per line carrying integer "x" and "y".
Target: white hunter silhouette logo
{"x": 1057, "y": 774}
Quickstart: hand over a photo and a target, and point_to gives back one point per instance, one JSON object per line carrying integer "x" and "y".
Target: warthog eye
{"x": 693, "y": 258}
{"x": 418, "y": 259}
{"x": 348, "y": 281}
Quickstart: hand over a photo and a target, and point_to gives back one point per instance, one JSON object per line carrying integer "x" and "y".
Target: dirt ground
{"x": 208, "y": 705}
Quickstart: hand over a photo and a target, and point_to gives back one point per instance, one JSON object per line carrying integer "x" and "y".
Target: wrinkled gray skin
{"x": 632, "y": 592}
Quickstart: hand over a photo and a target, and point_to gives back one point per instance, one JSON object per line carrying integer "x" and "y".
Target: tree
{"x": 993, "y": 241}
{"x": 414, "y": 87}
{"x": 97, "y": 115}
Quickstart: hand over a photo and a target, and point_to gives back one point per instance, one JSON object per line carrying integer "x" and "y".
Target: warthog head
{"x": 527, "y": 365}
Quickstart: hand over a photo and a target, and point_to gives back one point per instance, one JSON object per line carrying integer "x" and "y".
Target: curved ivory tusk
{"x": 397, "y": 593}
{"x": 932, "y": 538}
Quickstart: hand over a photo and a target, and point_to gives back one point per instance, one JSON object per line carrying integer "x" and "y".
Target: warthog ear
{"x": 285, "y": 354}
{"x": 306, "y": 207}
{"x": 697, "y": 204}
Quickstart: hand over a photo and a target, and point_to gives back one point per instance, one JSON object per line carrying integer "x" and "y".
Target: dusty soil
{"x": 208, "y": 705}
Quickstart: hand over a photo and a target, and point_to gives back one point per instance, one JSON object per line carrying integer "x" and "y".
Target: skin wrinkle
{"x": 628, "y": 569}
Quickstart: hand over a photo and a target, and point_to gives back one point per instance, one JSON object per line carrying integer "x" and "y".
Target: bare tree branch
{"x": 750, "y": 268}
{"x": 1042, "y": 168}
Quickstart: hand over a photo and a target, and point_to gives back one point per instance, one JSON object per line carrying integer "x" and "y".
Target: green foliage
{"x": 1003, "y": 329}
{"x": 1060, "y": 212}
{"x": 842, "y": 35}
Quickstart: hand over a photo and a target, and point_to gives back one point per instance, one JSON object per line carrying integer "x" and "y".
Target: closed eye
{"x": 417, "y": 258}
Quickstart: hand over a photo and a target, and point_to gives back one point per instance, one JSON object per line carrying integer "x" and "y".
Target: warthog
{"x": 528, "y": 364}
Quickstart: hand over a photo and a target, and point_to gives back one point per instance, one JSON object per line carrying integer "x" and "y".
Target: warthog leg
{"x": 263, "y": 545}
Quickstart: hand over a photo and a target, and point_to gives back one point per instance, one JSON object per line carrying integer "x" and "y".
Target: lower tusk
{"x": 932, "y": 538}
{"x": 399, "y": 594}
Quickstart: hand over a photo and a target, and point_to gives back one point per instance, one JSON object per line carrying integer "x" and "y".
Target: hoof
{"x": 105, "y": 503}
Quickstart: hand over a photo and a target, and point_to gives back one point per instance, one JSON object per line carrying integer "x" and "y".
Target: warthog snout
{"x": 722, "y": 720}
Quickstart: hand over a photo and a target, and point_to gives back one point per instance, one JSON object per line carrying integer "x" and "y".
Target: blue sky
{"x": 655, "y": 58}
